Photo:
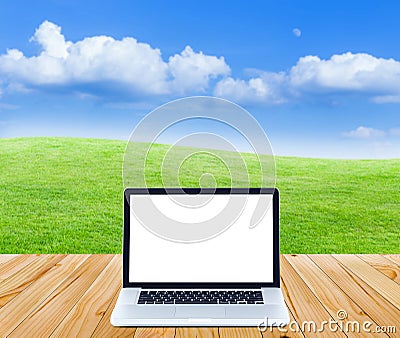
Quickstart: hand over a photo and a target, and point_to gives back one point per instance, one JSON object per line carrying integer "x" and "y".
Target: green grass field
{"x": 64, "y": 195}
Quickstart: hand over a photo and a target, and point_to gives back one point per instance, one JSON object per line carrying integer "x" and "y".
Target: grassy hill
{"x": 64, "y": 195}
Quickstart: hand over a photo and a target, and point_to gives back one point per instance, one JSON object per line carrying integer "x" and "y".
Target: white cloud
{"x": 8, "y": 106}
{"x": 350, "y": 72}
{"x": 365, "y": 133}
{"x": 138, "y": 68}
{"x": 386, "y": 99}
{"x": 296, "y": 32}
{"x": 241, "y": 90}
{"x": 267, "y": 87}
{"x": 394, "y": 131}
{"x": 361, "y": 73}
{"x": 136, "y": 65}
{"x": 49, "y": 36}
{"x": 192, "y": 71}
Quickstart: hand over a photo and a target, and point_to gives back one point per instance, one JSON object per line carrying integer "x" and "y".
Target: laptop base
{"x": 128, "y": 313}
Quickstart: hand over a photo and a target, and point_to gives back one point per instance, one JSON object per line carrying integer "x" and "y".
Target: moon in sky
{"x": 297, "y": 32}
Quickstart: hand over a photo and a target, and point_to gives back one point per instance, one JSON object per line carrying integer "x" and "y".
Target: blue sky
{"x": 322, "y": 78}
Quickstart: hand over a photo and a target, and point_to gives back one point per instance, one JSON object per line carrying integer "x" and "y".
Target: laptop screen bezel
{"x": 174, "y": 191}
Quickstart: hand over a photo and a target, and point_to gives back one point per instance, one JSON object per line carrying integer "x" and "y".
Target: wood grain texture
{"x": 372, "y": 277}
{"x": 394, "y": 258}
{"x": 199, "y": 332}
{"x": 10, "y": 267}
{"x": 32, "y": 296}
{"x": 105, "y": 329}
{"x": 372, "y": 303}
{"x": 304, "y": 305}
{"x": 230, "y": 332}
{"x": 329, "y": 293}
{"x": 59, "y": 303}
{"x": 88, "y": 311}
{"x": 287, "y": 332}
{"x": 282, "y": 332}
{"x": 154, "y": 332}
{"x": 4, "y": 258}
{"x": 14, "y": 284}
{"x": 385, "y": 265}
{"x": 74, "y": 295}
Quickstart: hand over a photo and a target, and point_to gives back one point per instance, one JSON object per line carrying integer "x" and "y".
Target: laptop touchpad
{"x": 200, "y": 312}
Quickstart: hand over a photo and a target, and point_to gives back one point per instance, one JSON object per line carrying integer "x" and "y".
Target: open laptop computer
{"x": 231, "y": 279}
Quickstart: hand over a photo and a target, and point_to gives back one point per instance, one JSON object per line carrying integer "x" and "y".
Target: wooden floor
{"x": 74, "y": 295}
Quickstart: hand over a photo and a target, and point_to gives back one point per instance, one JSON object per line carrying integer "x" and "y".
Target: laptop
{"x": 227, "y": 277}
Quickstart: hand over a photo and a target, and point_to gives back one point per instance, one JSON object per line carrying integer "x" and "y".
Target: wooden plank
{"x": 44, "y": 319}
{"x": 154, "y": 332}
{"x": 369, "y": 300}
{"x": 386, "y": 266}
{"x": 393, "y": 258}
{"x": 15, "y": 265}
{"x": 17, "y": 282}
{"x": 39, "y": 293}
{"x": 199, "y": 332}
{"x": 32, "y": 296}
{"x": 105, "y": 329}
{"x": 329, "y": 294}
{"x": 304, "y": 305}
{"x": 258, "y": 332}
{"x": 86, "y": 314}
{"x": 4, "y": 258}
{"x": 248, "y": 332}
{"x": 286, "y": 331}
{"x": 265, "y": 332}
{"x": 385, "y": 286}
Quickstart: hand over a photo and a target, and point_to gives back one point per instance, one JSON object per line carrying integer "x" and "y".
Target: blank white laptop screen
{"x": 239, "y": 254}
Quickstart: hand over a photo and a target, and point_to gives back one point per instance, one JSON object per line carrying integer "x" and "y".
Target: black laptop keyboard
{"x": 200, "y": 297}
